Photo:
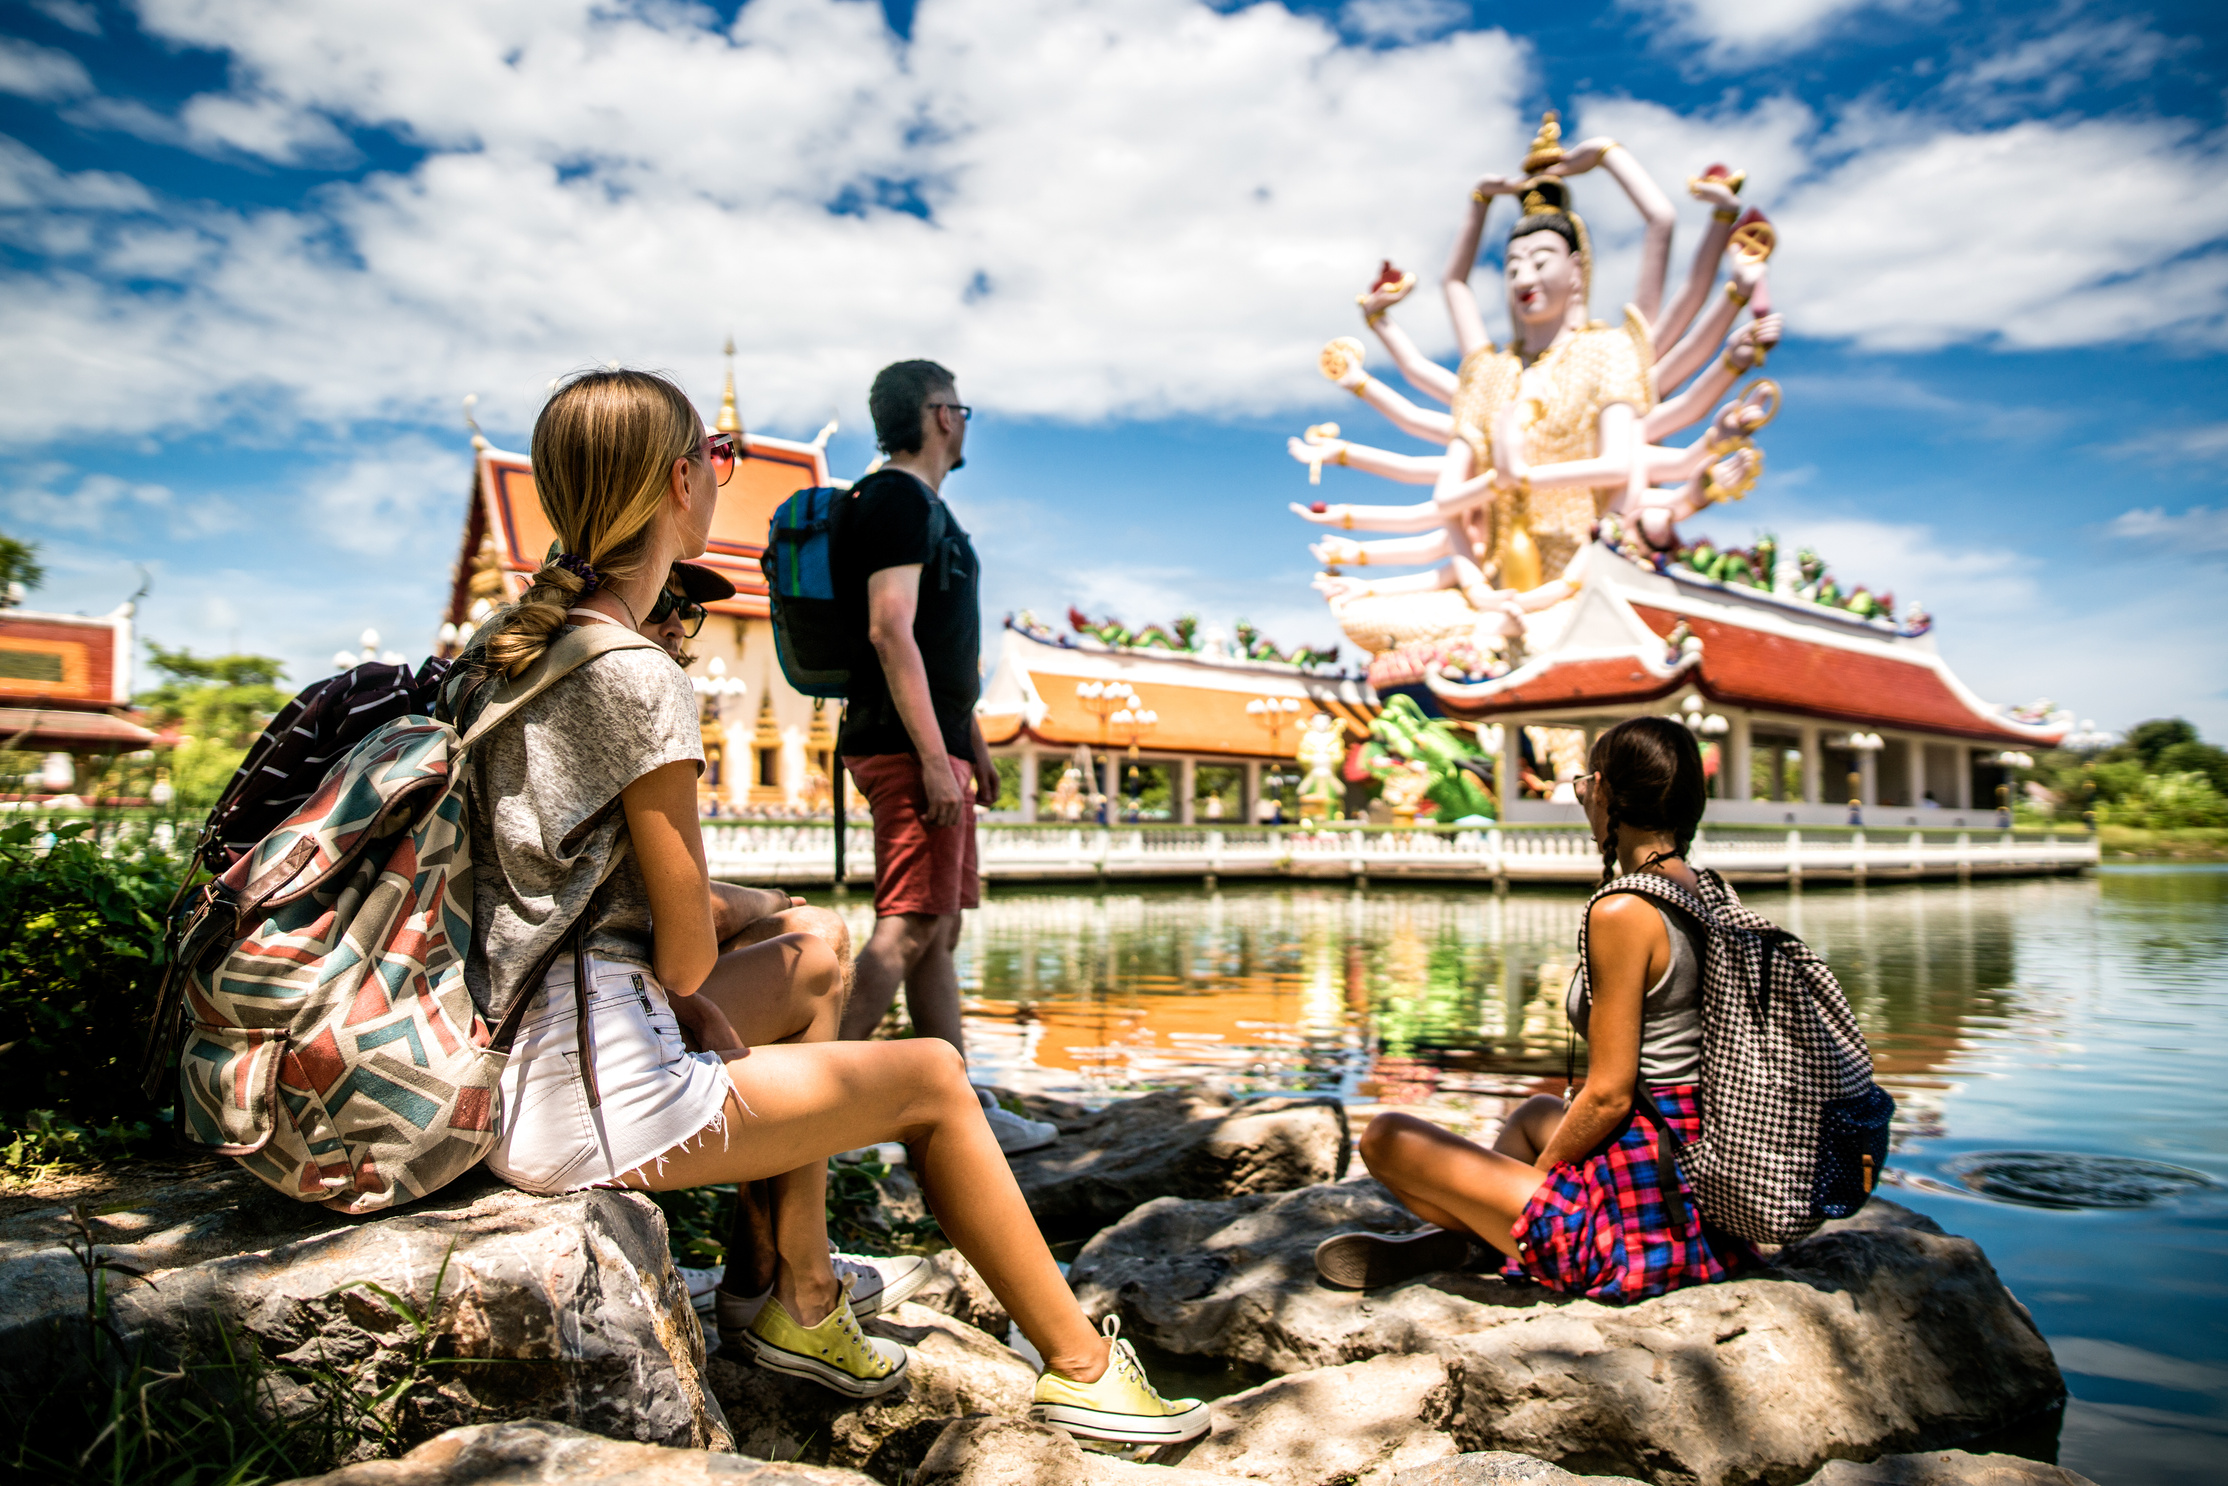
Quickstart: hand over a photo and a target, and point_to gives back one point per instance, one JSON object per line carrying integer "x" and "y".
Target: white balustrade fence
{"x": 804, "y": 852}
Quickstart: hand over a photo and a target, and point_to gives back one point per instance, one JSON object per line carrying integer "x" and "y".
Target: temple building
{"x": 65, "y": 686}
{"x": 1811, "y": 707}
{"x": 1052, "y": 700}
{"x": 767, "y": 749}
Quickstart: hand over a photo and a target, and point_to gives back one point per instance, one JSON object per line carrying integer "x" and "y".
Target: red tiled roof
{"x": 1617, "y": 679}
{"x": 32, "y": 729}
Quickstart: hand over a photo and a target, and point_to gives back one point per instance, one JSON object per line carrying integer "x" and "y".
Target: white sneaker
{"x": 1016, "y": 1134}
{"x": 877, "y": 1283}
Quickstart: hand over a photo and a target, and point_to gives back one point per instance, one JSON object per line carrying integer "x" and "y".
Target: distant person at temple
{"x": 907, "y": 578}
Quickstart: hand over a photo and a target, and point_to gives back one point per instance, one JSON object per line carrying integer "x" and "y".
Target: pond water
{"x": 2058, "y": 1049}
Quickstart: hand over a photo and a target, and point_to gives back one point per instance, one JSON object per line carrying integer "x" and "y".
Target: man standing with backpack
{"x": 906, "y": 585}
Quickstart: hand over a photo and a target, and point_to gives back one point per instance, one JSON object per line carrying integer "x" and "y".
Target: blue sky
{"x": 255, "y": 253}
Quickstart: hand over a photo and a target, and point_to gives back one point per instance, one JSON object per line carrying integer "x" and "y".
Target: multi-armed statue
{"x": 1562, "y": 426}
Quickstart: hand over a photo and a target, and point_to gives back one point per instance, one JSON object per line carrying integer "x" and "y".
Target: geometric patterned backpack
{"x": 330, "y": 1043}
{"x": 1794, "y": 1129}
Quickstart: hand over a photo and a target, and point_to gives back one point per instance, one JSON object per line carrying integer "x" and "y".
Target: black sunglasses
{"x": 966, "y": 413}
{"x": 669, "y": 604}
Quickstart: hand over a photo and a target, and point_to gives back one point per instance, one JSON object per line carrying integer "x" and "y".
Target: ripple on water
{"x": 2063, "y": 1179}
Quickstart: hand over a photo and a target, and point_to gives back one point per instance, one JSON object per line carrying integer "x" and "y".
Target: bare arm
{"x": 1423, "y": 374}
{"x": 669, "y": 848}
{"x": 1613, "y": 466}
{"x": 1648, "y": 198}
{"x": 1685, "y": 358}
{"x": 1623, "y": 936}
{"x": 1396, "y": 552}
{"x": 1408, "y": 469}
{"x": 892, "y": 596}
{"x": 735, "y": 908}
{"x": 1423, "y": 423}
{"x": 1744, "y": 352}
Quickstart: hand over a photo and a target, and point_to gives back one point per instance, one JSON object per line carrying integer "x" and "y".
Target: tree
{"x": 19, "y": 563}
{"x": 2150, "y": 739}
{"x": 218, "y": 704}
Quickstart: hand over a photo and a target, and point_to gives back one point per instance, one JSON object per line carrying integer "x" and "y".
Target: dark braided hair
{"x": 1651, "y": 779}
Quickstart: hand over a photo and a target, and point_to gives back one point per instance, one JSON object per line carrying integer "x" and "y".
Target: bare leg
{"x": 891, "y": 952}
{"x": 1444, "y": 1179}
{"x": 801, "y": 1104}
{"x": 822, "y": 923}
{"x": 1530, "y": 1127}
{"x": 932, "y": 990}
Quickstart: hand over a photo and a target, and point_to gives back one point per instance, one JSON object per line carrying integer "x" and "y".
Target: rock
{"x": 1500, "y": 1468}
{"x": 956, "y": 1370}
{"x": 1361, "y": 1423}
{"x": 569, "y": 1306}
{"x": 1016, "y": 1452}
{"x": 1947, "y": 1468}
{"x": 1879, "y": 1335}
{"x": 957, "y": 1291}
{"x": 533, "y": 1450}
{"x": 1179, "y": 1143}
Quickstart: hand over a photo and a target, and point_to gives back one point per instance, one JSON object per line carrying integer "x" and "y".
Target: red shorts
{"x": 916, "y": 869}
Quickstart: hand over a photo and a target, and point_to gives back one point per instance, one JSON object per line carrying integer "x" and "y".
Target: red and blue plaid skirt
{"x": 1603, "y": 1229}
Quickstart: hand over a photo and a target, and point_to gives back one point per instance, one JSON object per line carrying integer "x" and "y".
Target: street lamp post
{"x": 1273, "y": 713}
{"x": 1135, "y": 721}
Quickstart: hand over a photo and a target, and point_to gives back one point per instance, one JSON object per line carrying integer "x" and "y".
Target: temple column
{"x": 1811, "y": 781}
{"x": 1868, "y": 776}
{"x": 1504, "y": 766}
{"x": 1186, "y": 788}
{"x": 1028, "y": 785}
{"x": 1733, "y": 758}
{"x": 1962, "y": 758}
{"x": 1112, "y": 764}
{"x": 1249, "y": 794}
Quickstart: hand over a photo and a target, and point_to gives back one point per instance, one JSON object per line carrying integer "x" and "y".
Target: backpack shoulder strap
{"x": 572, "y": 649}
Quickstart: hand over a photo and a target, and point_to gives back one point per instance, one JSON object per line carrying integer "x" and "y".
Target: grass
{"x": 2188, "y": 844}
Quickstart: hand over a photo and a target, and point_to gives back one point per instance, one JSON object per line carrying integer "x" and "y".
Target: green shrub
{"x": 80, "y": 962}
{"x": 2166, "y": 802}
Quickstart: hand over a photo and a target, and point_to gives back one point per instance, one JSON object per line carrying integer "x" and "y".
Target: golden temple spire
{"x": 728, "y": 421}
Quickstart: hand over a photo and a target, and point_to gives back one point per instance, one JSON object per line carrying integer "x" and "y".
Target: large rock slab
{"x": 1881, "y": 1335}
{"x": 569, "y": 1306}
{"x": 956, "y": 1371}
{"x": 989, "y": 1451}
{"x": 1947, "y": 1468}
{"x": 521, "y": 1452}
{"x": 1500, "y": 1468}
{"x": 1180, "y": 1143}
{"x": 1361, "y": 1424}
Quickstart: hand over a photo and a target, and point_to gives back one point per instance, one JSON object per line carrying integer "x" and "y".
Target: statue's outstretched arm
{"x": 1686, "y": 358}
{"x": 1423, "y": 374}
{"x": 1408, "y": 469}
{"x": 1397, "y": 552}
{"x": 1647, "y": 197}
{"x": 1724, "y": 211}
{"x": 1462, "y": 303}
{"x": 1745, "y": 351}
{"x": 1423, "y": 423}
{"x": 1428, "y": 581}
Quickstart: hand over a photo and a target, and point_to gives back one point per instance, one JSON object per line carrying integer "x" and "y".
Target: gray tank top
{"x": 1670, "y": 1012}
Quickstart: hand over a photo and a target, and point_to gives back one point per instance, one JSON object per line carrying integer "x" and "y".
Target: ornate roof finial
{"x": 1547, "y": 145}
{"x": 479, "y": 440}
{"x": 728, "y": 421}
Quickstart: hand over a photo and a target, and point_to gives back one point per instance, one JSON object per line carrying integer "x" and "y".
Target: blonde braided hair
{"x": 603, "y": 452}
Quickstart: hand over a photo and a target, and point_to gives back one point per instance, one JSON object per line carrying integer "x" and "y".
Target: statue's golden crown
{"x": 1547, "y": 145}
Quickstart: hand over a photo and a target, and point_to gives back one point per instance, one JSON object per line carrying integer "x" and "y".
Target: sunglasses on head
{"x": 726, "y": 450}
{"x": 670, "y": 604}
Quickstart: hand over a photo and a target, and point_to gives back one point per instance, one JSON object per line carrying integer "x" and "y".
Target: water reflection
{"x": 2084, "y": 1017}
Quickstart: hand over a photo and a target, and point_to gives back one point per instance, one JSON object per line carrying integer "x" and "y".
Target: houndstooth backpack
{"x": 330, "y": 1044}
{"x": 1794, "y": 1129}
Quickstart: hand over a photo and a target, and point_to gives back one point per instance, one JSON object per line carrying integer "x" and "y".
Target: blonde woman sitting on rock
{"x": 585, "y": 811}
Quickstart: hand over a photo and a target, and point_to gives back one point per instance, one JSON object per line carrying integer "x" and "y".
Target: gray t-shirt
{"x": 1670, "y": 1011}
{"x": 546, "y": 818}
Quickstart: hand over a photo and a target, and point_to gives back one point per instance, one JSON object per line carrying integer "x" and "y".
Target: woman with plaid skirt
{"x": 1585, "y": 1197}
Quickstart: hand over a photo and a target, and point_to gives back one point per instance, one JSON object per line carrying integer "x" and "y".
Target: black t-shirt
{"x": 894, "y": 520}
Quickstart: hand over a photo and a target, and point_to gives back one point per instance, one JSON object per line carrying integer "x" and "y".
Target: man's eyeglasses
{"x": 966, "y": 413}
{"x": 725, "y": 450}
{"x": 670, "y": 604}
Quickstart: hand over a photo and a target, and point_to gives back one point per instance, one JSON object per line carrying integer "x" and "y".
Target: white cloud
{"x": 2198, "y": 529}
{"x": 75, "y": 15}
{"x": 409, "y": 491}
{"x": 2204, "y": 444}
{"x": 1402, "y": 21}
{"x": 1741, "y": 32}
{"x": 2069, "y": 56}
{"x": 32, "y": 71}
{"x": 103, "y": 502}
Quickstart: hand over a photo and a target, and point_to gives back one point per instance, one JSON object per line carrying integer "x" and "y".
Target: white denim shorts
{"x": 656, "y": 1094}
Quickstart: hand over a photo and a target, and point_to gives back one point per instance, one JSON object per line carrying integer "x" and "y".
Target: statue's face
{"x": 1544, "y": 278}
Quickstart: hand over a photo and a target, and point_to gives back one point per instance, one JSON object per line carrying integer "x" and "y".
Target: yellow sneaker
{"x": 1120, "y": 1406}
{"x": 834, "y": 1354}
